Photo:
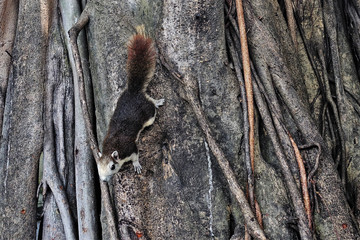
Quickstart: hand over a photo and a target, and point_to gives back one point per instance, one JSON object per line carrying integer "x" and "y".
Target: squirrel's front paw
{"x": 137, "y": 167}
{"x": 159, "y": 102}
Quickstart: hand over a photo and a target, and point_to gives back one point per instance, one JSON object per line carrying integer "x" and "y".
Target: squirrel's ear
{"x": 115, "y": 155}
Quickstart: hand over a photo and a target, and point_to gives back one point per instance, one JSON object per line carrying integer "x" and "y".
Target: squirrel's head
{"x": 108, "y": 165}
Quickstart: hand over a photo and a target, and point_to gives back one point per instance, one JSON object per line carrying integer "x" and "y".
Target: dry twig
{"x": 247, "y": 78}
{"x": 303, "y": 180}
{"x": 250, "y": 171}
{"x": 249, "y": 99}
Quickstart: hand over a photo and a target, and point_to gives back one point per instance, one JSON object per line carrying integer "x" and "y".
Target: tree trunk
{"x": 305, "y": 76}
{"x": 22, "y": 129}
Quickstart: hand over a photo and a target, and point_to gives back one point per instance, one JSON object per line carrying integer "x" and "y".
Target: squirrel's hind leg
{"x": 157, "y": 104}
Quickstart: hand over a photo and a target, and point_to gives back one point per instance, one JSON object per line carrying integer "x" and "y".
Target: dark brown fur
{"x": 133, "y": 108}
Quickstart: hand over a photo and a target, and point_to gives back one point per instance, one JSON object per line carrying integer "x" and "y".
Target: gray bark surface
{"x": 181, "y": 184}
{"x": 309, "y": 90}
{"x": 22, "y": 134}
{"x": 59, "y": 170}
{"x": 85, "y": 169}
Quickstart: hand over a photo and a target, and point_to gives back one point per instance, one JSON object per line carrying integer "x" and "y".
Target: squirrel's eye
{"x": 112, "y": 167}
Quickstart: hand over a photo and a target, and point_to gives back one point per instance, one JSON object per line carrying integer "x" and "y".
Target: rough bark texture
{"x": 8, "y": 20}
{"x": 180, "y": 183}
{"x": 58, "y": 140}
{"x": 286, "y": 77}
{"x": 200, "y": 32}
{"x": 85, "y": 170}
{"x": 305, "y": 68}
{"x": 21, "y": 142}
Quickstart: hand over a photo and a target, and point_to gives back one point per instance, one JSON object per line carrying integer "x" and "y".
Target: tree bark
{"x": 22, "y": 134}
{"x": 85, "y": 170}
{"x": 58, "y": 177}
{"x": 8, "y": 19}
{"x": 305, "y": 72}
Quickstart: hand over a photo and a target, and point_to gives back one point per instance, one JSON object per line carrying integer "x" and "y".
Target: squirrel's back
{"x": 141, "y": 62}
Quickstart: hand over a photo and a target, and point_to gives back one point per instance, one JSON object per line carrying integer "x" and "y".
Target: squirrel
{"x": 135, "y": 110}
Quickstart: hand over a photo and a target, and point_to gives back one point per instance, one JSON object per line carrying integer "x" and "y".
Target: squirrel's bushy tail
{"x": 141, "y": 62}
